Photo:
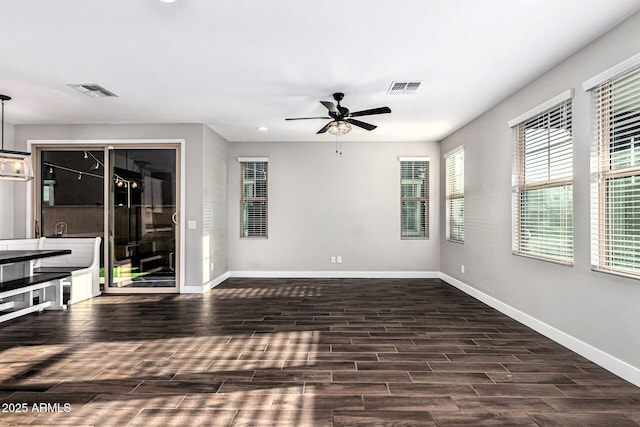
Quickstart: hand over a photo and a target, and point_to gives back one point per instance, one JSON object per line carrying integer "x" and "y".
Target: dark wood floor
{"x": 300, "y": 352}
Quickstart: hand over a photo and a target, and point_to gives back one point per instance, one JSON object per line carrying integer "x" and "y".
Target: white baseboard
{"x": 215, "y": 282}
{"x": 207, "y": 286}
{"x": 339, "y": 274}
{"x": 607, "y": 361}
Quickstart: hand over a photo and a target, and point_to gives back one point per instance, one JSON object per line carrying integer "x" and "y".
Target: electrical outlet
{"x": 339, "y": 259}
{"x": 333, "y": 260}
{"x": 462, "y": 269}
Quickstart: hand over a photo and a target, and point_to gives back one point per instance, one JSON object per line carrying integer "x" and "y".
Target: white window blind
{"x": 253, "y": 199}
{"x": 543, "y": 186}
{"x": 414, "y": 198}
{"x": 615, "y": 184}
{"x": 454, "y": 164}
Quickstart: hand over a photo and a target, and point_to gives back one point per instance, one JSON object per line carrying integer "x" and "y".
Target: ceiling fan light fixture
{"x": 343, "y": 118}
{"x": 339, "y": 127}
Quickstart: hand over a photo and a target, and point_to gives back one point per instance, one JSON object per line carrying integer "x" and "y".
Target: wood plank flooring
{"x": 320, "y": 352}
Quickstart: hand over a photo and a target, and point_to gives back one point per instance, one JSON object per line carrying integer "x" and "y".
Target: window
{"x": 543, "y": 184}
{"x": 615, "y": 224}
{"x": 455, "y": 195}
{"x": 414, "y": 197}
{"x": 253, "y": 199}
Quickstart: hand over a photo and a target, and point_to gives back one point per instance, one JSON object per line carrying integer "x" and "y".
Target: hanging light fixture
{"x": 14, "y": 165}
{"x": 339, "y": 127}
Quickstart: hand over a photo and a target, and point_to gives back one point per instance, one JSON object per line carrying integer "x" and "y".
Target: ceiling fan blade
{"x": 325, "y": 128}
{"x": 308, "y": 118}
{"x": 331, "y": 107}
{"x": 363, "y": 125}
{"x": 380, "y": 110}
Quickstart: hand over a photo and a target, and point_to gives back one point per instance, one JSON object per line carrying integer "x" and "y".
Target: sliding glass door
{"x": 142, "y": 218}
{"x": 127, "y": 195}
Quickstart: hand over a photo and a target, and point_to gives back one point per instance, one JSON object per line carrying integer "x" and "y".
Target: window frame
{"x": 532, "y": 185}
{"x": 606, "y": 255}
{"x": 426, "y": 182}
{"x": 246, "y": 227}
{"x": 452, "y": 195}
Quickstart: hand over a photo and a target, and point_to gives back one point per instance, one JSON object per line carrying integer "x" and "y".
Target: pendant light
{"x": 14, "y": 165}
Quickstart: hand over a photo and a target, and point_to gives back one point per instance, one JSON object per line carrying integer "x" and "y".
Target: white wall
{"x": 323, "y": 204}
{"x": 214, "y": 214}
{"x": 193, "y": 134}
{"x": 598, "y": 309}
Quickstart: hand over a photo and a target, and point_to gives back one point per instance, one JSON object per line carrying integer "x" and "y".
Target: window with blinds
{"x": 414, "y": 199}
{"x": 253, "y": 200}
{"x": 543, "y": 186}
{"x": 615, "y": 224}
{"x": 454, "y": 165}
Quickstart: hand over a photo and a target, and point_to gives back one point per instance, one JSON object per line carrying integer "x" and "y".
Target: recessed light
{"x": 167, "y": 1}
{"x": 263, "y": 128}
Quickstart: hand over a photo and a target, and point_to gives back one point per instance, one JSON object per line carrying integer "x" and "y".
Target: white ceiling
{"x": 237, "y": 65}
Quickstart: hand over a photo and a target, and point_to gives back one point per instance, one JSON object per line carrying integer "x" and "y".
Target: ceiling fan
{"x": 342, "y": 117}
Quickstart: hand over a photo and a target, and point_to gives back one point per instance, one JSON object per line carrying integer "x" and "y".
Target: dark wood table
{"x": 10, "y": 257}
{"x": 20, "y": 287}
{"x": 16, "y": 264}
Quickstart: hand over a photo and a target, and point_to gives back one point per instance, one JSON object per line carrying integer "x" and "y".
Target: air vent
{"x": 93, "y": 90}
{"x": 406, "y": 88}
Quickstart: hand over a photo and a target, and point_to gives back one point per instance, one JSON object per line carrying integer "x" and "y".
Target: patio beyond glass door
{"x": 71, "y": 195}
{"x": 142, "y": 219}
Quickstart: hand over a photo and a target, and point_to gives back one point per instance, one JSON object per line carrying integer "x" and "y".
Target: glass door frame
{"x": 34, "y": 211}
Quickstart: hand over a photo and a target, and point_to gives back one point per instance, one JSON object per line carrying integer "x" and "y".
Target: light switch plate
{"x": 191, "y": 224}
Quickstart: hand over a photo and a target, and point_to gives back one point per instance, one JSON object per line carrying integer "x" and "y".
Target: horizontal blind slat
{"x": 254, "y": 199}
{"x": 414, "y": 199}
{"x": 543, "y": 194}
{"x": 454, "y": 164}
{"x": 615, "y": 193}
